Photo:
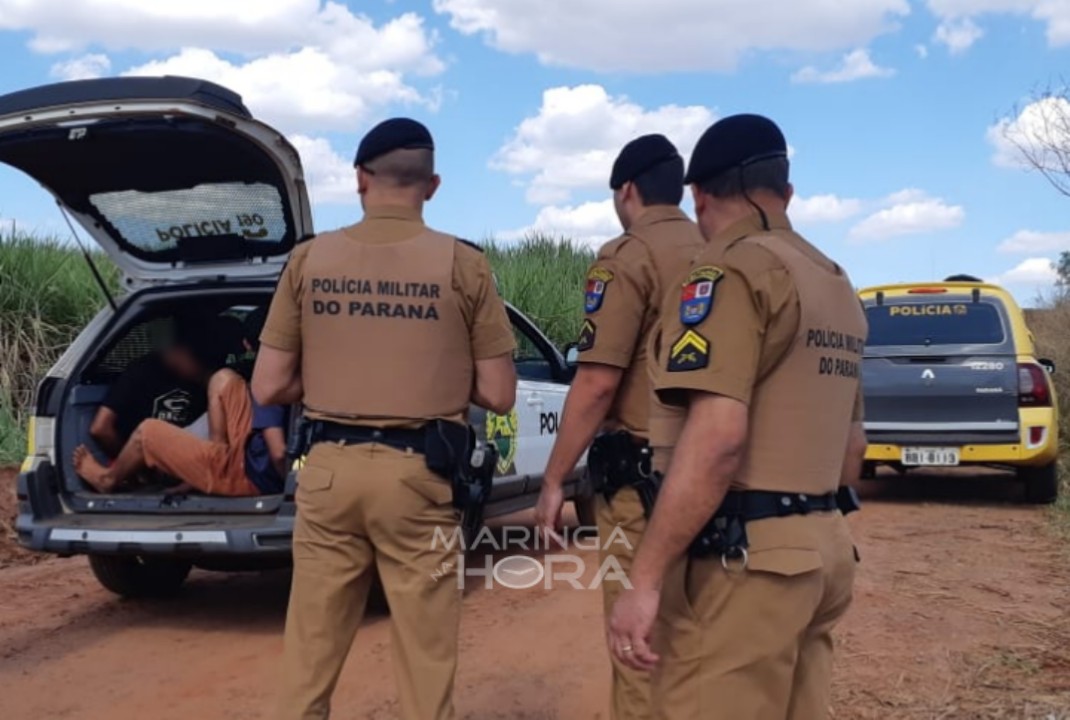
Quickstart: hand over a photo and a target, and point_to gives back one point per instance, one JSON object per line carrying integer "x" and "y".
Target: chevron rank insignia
{"x": 586, "y": 339}
{"x": 597, "y": 280}
{"x": 696, "y": 298}
{"x": 690, "y": 352}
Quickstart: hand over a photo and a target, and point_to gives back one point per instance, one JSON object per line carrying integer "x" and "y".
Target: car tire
{"x": 133, "y": 576}
{"x": 869, "y": 470}
{"x": 1041, "y": 484}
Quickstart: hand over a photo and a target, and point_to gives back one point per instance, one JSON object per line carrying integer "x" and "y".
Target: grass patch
{"x": 544, "y": 277}
{"x": 46, "y": 297}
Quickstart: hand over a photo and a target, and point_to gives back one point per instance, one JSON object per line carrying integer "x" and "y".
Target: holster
{"x": 452, "y": 452}
{"x": 726, "y": 532}
{"x": 616, "y": 461}
{"x": 300, "y": 441}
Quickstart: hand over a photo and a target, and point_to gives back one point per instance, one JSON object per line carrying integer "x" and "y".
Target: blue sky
{"x": 896, "y": 111}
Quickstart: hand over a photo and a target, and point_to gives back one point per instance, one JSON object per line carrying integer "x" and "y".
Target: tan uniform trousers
{"x": 756, "y": 643}
{"x": 630, "y": 693}
{"x": 361, "y": 508}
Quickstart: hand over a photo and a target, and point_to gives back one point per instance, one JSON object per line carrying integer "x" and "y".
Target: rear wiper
{"x": 88, "y": 258}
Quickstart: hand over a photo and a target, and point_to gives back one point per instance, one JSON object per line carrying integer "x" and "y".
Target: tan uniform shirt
{"x": 623, "y": 298}
{"x": 482, "y": 310}
{"x": 744, "y": 322}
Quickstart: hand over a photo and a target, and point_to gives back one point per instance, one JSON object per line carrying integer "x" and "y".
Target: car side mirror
{"x": 572, "y": 355}
{"x": 1048, "y": 365}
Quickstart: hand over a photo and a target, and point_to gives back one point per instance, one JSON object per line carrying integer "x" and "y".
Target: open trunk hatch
{"x": 171, "y": 176}
{"x": 940, "y": 372}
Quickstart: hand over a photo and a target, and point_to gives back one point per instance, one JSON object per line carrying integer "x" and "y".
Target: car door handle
{"x": 535, "y": 399}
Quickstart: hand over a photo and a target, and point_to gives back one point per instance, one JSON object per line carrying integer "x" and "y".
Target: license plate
{"x": 933, "y": 457}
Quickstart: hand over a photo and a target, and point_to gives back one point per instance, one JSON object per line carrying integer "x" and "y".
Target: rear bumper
{"x": 44, "y": 525}
{"x": 119, "y": 535}
{"x": 1021, "y": 453}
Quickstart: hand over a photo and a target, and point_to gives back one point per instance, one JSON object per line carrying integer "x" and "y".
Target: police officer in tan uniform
{"x": 385, "y": 330}
{"x": 748, "y": 553}
{"x": 611, "y": 391}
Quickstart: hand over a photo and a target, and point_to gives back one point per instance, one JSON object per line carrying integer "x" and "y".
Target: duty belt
{"x": 726, "y": 532}
{"x": 399, "y": 438}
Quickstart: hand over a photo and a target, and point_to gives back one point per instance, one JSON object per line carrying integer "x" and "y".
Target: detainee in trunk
{"x": 245, "y": 454}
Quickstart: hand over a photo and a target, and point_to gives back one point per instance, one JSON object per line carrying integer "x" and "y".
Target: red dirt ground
{"x": 961, "y": 612}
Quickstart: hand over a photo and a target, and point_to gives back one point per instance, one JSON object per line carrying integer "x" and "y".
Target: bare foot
{"x": 92, "y": 471}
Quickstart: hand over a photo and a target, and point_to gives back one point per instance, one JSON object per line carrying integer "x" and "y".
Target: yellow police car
{"x": 951, "y": 377}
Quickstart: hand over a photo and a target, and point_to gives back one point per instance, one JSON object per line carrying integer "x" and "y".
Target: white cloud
{"x": 572, "y": 141}
{"x": 330, "y": 177}
{"x": 82, "y": 68}
{"x": 856, "y": 65}
{"x": 1054, "y": 13}
{"x": 958, "y": 35}
{"x": 823, "y": 209}
{"x": 1040, "y": 125}
{"x": 591, "y": 224}
{"x": 302, "y": 64}
{"x": 306, "y": 89}
{"x": 237, "y": 26}
{"x": 672, "y": 34}
{"x": 922, "y": 51}
{"x": 1032, "y": 242}
{"x": 909, "y": 212}
{"x": 1034, "y": 272}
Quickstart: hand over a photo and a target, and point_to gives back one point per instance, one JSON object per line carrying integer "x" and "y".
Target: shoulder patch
{"x": 696, "y": 297}
{"x": 690, "y": 352}
{"x": 586, "y": 339}
{"x": 470, "y": 244}
{"x": 597, "y": 280}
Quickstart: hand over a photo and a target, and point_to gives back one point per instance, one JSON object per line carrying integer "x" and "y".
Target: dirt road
{"x": 961, "y": 612}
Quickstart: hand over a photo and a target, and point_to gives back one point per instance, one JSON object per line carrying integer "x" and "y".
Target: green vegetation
{"x": 47, "y": 295}
{"x": 544, "y": 277}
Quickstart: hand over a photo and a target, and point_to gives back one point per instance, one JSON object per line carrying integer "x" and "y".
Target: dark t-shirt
{"x": 258, "y": 466}
{"x": 147, "y": 389}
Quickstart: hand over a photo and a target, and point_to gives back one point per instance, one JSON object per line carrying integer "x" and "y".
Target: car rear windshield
{"x": 157, "y": 222}
{"x": 940, "y": 323}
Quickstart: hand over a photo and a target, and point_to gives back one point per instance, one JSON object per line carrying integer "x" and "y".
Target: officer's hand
{"x": 548, "y": 512}
{"x": 630, "y": 627}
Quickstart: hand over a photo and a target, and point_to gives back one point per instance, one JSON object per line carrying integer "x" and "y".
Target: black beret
{"x": 640, "y": 155}
{"x": 734, "y": 142}
{"x": 393, "y": 134}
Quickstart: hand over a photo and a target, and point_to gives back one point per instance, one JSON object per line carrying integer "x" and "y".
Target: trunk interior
{"x": 144, "y": 325}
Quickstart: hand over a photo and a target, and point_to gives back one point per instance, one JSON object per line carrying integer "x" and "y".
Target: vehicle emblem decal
{"x": 928, "y": 376}
{"x": 502, "y": 431}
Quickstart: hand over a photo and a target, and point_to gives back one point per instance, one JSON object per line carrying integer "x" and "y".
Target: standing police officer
{"x": 612, "y": 390}
{"x": 747, "y": 551}
{"x": 385, "y": 330}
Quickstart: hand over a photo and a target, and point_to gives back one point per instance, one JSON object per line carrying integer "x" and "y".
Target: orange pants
{"x": 214, "y": 468}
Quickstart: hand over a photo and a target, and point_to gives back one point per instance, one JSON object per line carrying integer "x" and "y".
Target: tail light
{"x": 1033, "y": 389}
